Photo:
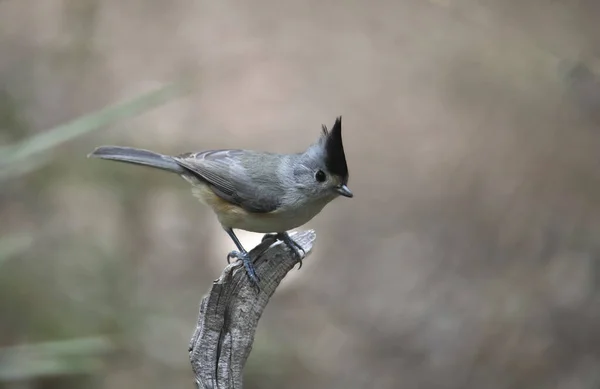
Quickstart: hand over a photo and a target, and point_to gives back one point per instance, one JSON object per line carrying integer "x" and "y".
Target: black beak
{"x": 344, "y": 191}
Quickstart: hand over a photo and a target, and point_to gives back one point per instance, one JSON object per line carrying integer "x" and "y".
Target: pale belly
{"x": 231, "y": 216}
{"x": 273, "y": 222}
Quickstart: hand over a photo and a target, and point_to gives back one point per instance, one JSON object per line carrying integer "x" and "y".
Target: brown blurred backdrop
{"x": 468, "y": 257}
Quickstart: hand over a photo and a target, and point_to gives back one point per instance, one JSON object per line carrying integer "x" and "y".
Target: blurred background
{"x": 468, "y": 258}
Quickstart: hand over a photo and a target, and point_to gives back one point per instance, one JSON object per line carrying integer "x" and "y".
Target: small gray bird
{"x": 256, "y": 191}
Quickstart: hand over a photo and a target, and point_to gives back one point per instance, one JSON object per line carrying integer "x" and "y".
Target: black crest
{"x": 335, "y": 158}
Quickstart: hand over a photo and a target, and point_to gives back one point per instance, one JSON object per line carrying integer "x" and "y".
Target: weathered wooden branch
{"x": 230, "y": 313}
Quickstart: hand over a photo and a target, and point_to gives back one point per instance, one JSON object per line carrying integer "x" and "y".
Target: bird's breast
{"x": 234, "y": 216}
{"x": 277, "y": 221}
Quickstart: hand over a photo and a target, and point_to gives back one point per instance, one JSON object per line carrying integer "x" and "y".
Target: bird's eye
{"x": 320, "y": 176}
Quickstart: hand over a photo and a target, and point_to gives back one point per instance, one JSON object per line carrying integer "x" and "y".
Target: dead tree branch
{"x": 230, "y": 313}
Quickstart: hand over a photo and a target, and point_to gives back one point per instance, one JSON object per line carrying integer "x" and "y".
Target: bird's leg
{"x": 291, "y": 243}
{"x": 294, "y": 246}
{"x": 244, "y": 256}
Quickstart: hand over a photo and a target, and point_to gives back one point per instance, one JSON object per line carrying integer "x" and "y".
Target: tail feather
{"x": 137, "y": 157}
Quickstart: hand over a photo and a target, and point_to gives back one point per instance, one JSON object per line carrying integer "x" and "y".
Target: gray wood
{"x": 230, "y": 312}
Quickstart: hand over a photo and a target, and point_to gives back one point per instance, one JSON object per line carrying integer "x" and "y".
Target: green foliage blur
{"x": 70, "y": 356}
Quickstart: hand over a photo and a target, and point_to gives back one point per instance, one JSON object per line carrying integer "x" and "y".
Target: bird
{"x": 256, "y": 191}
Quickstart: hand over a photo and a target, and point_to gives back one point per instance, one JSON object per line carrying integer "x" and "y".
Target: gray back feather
{"x": 241, "y": 177}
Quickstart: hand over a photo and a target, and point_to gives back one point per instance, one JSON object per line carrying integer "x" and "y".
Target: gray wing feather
{"x": 225, "y": 172}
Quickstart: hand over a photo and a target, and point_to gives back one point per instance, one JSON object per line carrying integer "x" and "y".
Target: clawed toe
{"x": 298, "y": 250}
{"x": 233, "y": 254}
{"x": 248, "y": 266}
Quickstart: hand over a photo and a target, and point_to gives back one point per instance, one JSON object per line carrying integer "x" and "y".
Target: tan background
{"x": 468, "y": 257}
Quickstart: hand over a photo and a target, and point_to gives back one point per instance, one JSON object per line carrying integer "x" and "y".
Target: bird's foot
{"x": 291, "y": 243}
{"x": 248, "y": 266}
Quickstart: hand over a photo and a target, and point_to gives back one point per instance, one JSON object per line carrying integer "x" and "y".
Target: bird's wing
{"x": 227, "y": 176}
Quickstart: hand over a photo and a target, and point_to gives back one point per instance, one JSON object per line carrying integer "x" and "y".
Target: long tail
{"x": 137, "y": 157}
